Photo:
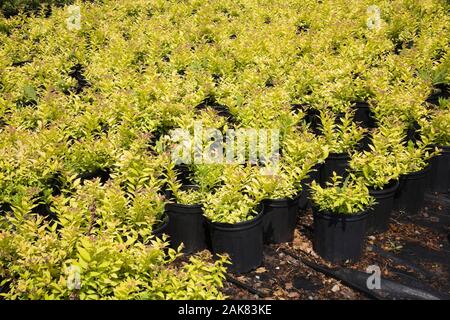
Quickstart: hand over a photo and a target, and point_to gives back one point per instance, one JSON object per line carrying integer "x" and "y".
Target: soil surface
{"x": 413, "y": 257}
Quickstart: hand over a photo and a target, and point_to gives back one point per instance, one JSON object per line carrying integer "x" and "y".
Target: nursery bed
{"x": 414, "y": 258}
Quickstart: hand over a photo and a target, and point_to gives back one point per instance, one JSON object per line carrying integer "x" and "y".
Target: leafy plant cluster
{"x": 380, "y": 165}
{"x": 342, "y": 197}
{"x": 85, "y": 117}
{"x": 13, "y": 7}
{"x": 38, "y": 263}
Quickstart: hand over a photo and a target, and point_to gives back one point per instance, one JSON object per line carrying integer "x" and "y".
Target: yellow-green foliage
{"x": 85, "y": 116}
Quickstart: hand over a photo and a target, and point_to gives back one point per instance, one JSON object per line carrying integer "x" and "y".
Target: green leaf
{"x": 29, "y": 93}
{"x": 84, "y": 254}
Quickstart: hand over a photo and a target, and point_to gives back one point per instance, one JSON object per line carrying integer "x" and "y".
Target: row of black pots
{"x": 339, "y": 238}
{"x": 413, "y": 186}
{"x": 243, "y": 242}
{"x": 410, "y": 193}
{"x": 336, "y": 237}
{"x": 274, "y": 223}
{"x": 363, "y": 116}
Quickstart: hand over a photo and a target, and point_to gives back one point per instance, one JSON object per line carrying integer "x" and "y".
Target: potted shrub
{"x": 360, "y": 95}
{"x": 340, "y": 212}
{"x": 379, "y": 170}
{"x": 136, "y": 172}
{"x": 439, "y": 132}
{"x": 187, "y": 223}
{"x": 341, "y": 138}
{"x": 364, "y": 115}
{"x": 414, "y": 170}
{"x": 437, "y": 77}
{"x": 305, "y": 153}
{"x": 403, "y": 103}
{"x": 235, "y": 222}
{"x": 278, "y": 190}
{"x": 91, "y": 158}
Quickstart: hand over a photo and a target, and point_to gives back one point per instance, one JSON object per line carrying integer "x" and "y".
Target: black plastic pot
{"x": 242, "y": 241}
{"x": 365, "y": 142}
{"x": 440, "y": 171}
{"x": 187, "y": 225}
{"x": 336, "y": 162}
{"x": 411, "y": 191}
{"x": 378, "y": 220}
{"x": 183, "y": 174}
{"x": 161, "y": 228}
{"x": 6, "y": 287}
{"x": 413, "y": 133}
{"x": 312, "y": 116}
{"x": 313, "y": 175}
{"x": 104, "y": 175}
{"x": 364, "y": 115}
{"x": 338, "y": 237}
{"x": 440, "y": 92}
{"x": 339, "y": 117}
{"x": 280, "y": 219}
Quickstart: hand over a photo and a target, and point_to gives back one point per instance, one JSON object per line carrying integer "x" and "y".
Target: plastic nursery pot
{"x": 364, "y": 143}
{"x": 313, "y": 175}
{"x": 363, "y": 115}
{"x": 103, "y": 174}
{"x": 339, "y": 237}
{"x": 280, "y": 219}
{"x": 187, "y": 225}
{"x": 378, "y": 220}
{"x": 161, "y": 227}
{"x": 183, "y": 174}
{"x": 411, "y": 191}
{"x": 440, "y": 171}
{"x": 242, "y": 241}
{"x": 312, "y": 116}
{"x": 336, "y": 162}
{"x": 440, "y": 91}
{"x": 413, "y": 133}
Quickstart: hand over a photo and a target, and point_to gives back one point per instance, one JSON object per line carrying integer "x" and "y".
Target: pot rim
{"x": 284, "y": 200}
{"x": 183, "y": 206}
{"x": 388, "y": 188}
{"x": 417, "y": 174}
{"x": 347, "y": 217}
{"x": 239, "y": 226}
{"x": 341, "y": 155}
{"x": 361, "y": 104}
